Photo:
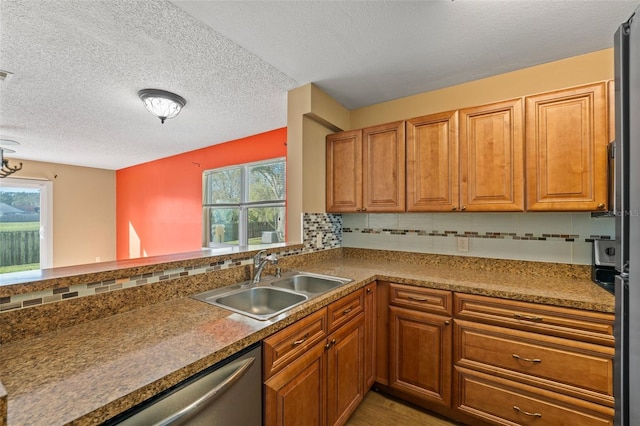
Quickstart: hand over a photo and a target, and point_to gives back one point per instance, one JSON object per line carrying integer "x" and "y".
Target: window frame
{"x": 46, "y": 214}
{"x": 243, "y": 205}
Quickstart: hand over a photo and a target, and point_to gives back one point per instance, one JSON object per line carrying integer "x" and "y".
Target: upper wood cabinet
{"x": 366, "y": 170}
{"x": 432, "y": 163}
{"x": 566, "y": 144}
{"x": 492, "y": 157}
{"x": 344, "y": 172}
{"x": 474, "y": 165}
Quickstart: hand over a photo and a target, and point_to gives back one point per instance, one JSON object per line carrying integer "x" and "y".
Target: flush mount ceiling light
{"x": 161, "y": 103}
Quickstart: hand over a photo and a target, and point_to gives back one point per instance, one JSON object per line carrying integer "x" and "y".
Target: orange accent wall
{"x": 159, "y": 204}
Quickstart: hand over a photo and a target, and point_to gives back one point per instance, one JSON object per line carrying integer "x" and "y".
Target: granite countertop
{"x": 90, "y": 372}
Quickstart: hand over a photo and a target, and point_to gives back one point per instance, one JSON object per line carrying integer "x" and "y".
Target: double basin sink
{"x": 272, "y": 296}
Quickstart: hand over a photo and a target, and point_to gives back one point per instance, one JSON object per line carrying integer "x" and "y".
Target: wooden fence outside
{"x": 19, "y": 247}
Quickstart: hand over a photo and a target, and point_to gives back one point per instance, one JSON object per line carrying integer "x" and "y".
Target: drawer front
{"x": 288, "y": 344}
{"x": 421, "y": 298}
{"x": 588, "y": 326}
{"x": 504, "y": 402}
{"x": 343, "y": 310}
{"x": 545, "y": 361}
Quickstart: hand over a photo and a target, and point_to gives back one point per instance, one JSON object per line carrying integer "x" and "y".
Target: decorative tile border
{"x": 474, "y": 234}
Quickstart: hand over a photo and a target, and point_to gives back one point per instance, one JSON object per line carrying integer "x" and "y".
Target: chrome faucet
{"x": 259, "y": 262}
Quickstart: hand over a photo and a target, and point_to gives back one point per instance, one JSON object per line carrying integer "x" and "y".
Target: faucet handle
{"x": 258, "y": 257}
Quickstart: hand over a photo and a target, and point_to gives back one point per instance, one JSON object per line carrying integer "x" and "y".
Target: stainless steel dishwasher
{"x": 226, "y": 394}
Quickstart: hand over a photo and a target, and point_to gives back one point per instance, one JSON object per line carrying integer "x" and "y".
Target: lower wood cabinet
{"x": 370, "y": 331}
{"x": 507, "y": 402}
{"x": 345, "y": 371}
{"x": 420, "y": 343}
{"x": 526, "y": 363}
{"x": 420, "y": 355}
{"x": 297, "y": 395}
{"x": 322, "y": 382}
{"x": 476, "y": 359}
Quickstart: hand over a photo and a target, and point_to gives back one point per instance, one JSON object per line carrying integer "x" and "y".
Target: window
{"x": 26, "y": 225}
{"x": 244, "y": 205}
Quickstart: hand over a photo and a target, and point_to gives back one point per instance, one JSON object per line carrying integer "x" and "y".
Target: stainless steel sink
{"x": 257, "y": 302}
{"x": 308, "y": 283}
{"x": 272, "y": 296}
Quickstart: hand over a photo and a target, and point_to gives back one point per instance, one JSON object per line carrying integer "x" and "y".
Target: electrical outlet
{"x": 319, "y": 240}
{"x": 463, "y": 243}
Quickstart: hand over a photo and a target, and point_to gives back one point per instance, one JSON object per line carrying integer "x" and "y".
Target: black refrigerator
{"x": 626, "y": 206}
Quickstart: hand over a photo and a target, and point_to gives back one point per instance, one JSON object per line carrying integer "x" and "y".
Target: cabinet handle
{"x": 369, "y": 291}
{"x": 463, "y": 208}
{"x": 527, "y": 318}
{"x": 346, "y": 311}
{"x": 447, "y": 322}
{"x": 526, "y": 413}
{"x": 601, "y": 206}
{"x": 301, "y": 341}
{"x": 328, "y": 345}
{"x": 418, "y": 299}
{"x": 534, "y": 360}
{"x": 364, "y": 209}
{"x": 358, "y": 209}
{"x": 454, "y": 208}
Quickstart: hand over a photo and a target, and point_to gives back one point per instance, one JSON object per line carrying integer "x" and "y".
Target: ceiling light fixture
{"x": 161, "y": 103}
{"x": 6, "y": 169}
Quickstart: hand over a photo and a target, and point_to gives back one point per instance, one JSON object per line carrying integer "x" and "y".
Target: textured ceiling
{"x": 77, "y": 65}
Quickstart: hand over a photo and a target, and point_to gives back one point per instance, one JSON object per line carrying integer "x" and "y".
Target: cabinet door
{"x": 492, "y": 157}
{"x": 420, "y": 356}
{"x": 567, "y": 149}
{"x": 345, "y": 371}
{"x": 370, "y": 320}
{"x": 384, "y": 168}
{"x": 296, "y": 395}
{"x": 344, "y": 172}
{"x": 432, "y": 162}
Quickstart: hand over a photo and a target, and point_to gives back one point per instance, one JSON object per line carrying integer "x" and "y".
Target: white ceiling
{"x": 77, "y": 65}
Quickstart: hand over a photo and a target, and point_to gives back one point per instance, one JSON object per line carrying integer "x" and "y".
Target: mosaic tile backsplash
{"x": 545, "y": 237}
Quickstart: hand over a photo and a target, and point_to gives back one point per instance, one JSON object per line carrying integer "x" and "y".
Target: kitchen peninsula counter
{"x": 92, "y": 371}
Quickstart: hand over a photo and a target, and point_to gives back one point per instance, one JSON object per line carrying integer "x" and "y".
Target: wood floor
{"x": 379, "y": 410}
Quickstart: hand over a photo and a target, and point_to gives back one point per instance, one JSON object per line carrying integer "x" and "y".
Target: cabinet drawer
{"x": 342, "y": 310}
{"x": 421, "y": 298}
{"x": 286, "y": 345}
{"x": 540, "y": 360}
{"x": 577, "y": 324}
{"x": 504, "y": 402}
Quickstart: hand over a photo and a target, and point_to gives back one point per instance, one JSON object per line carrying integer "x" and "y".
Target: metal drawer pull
{"x": 301, "y": 341}
{"x": 526, "y": 359}
{"x": 346, "y": 311}
{"x": 527, "y": 318}
{"x": 526, "y": 413}
{"x": 328, "y": 345}
{"x": 419, "y": 299}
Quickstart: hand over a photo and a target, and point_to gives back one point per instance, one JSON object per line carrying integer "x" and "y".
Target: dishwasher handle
{"x": 210, "y": 396}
